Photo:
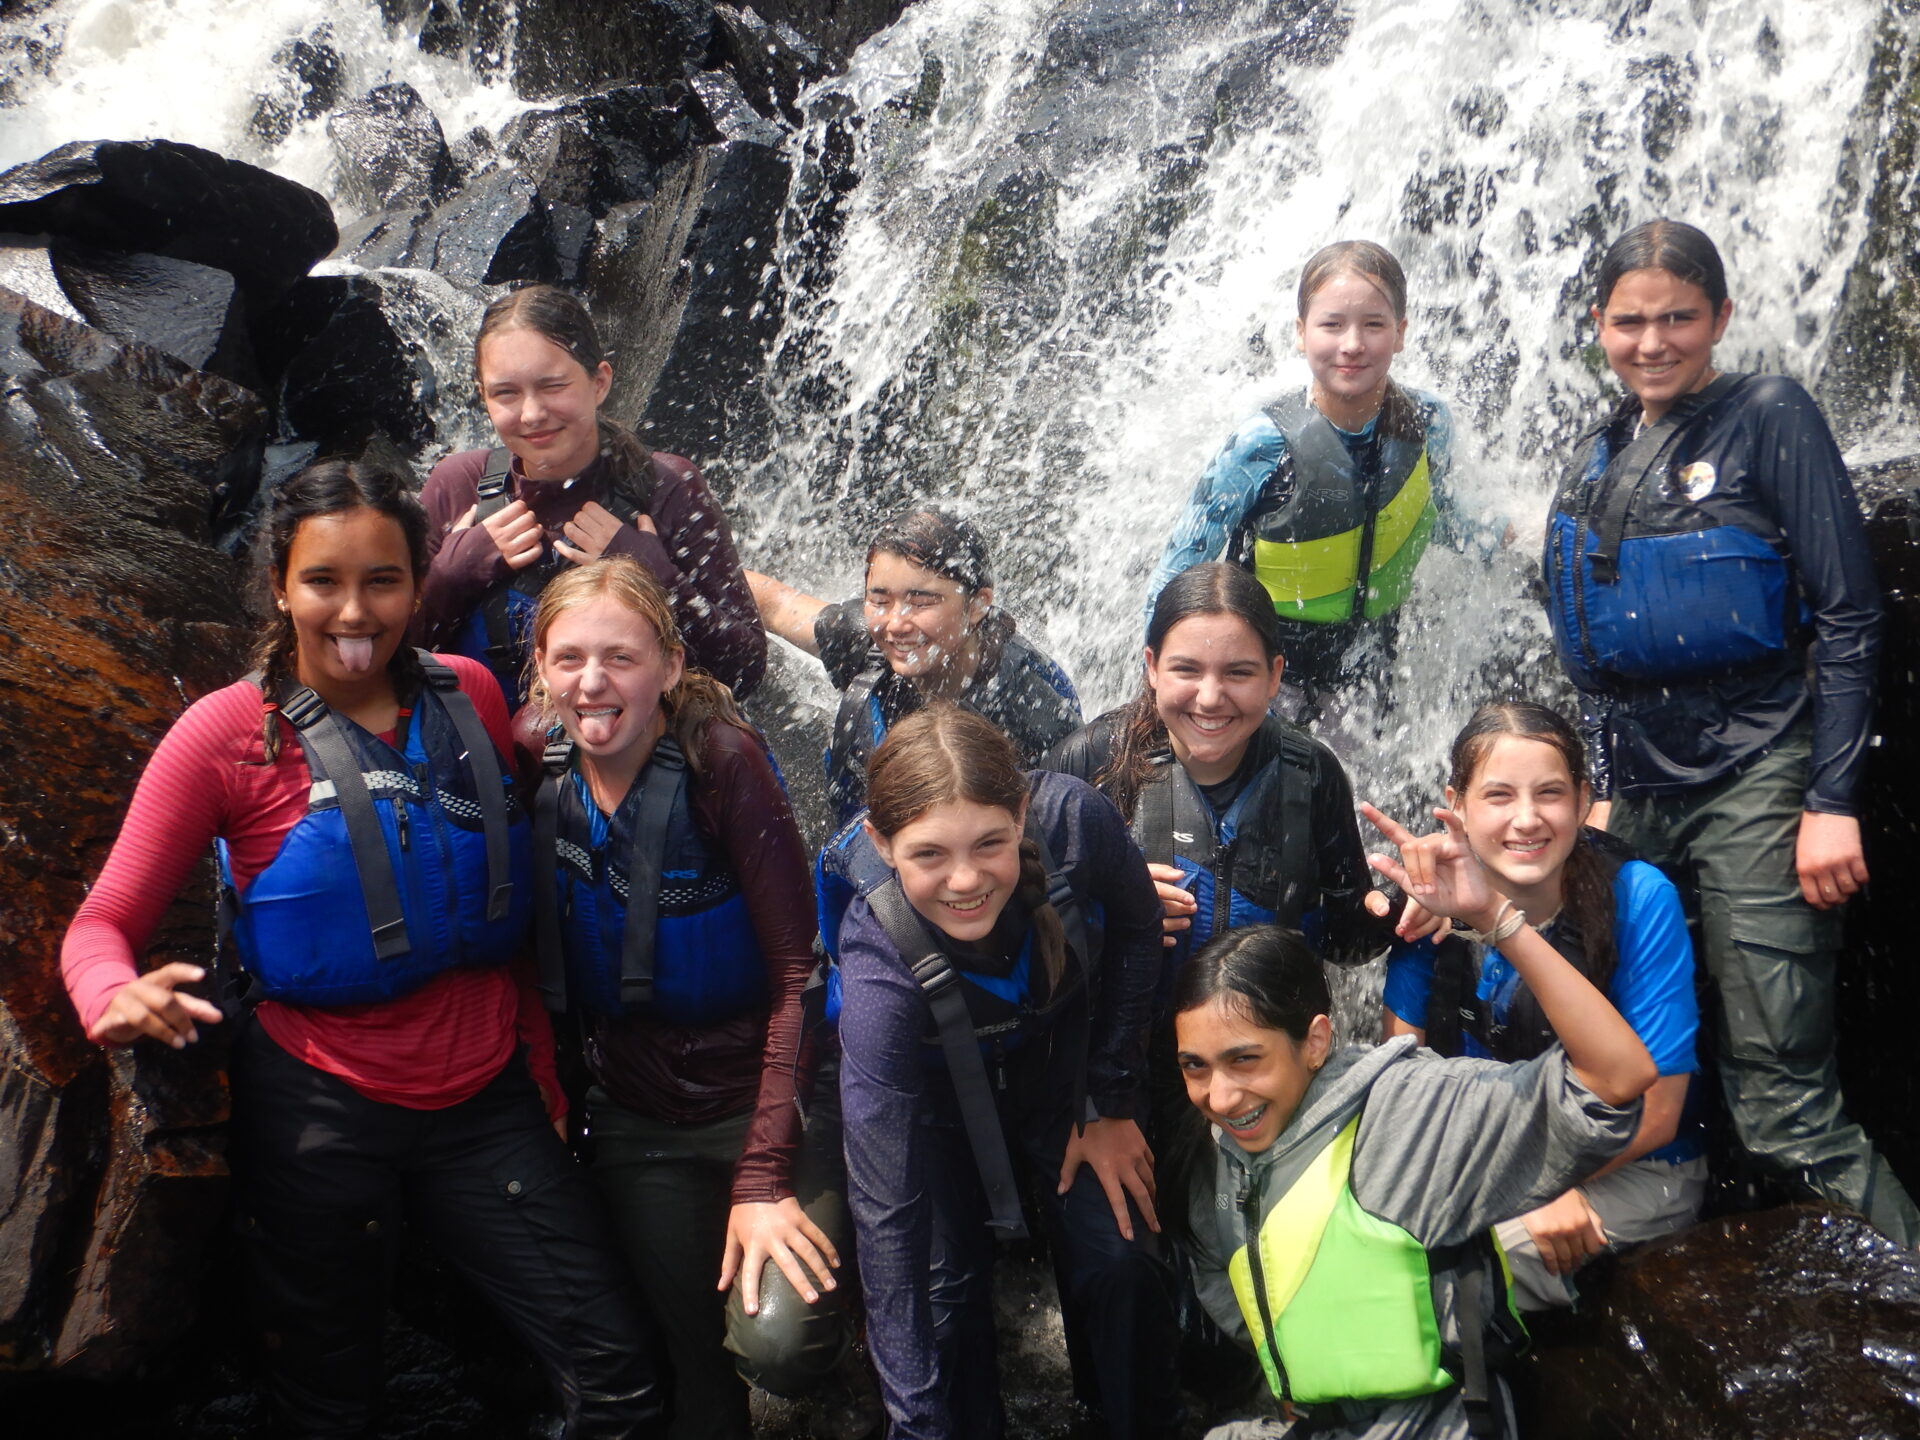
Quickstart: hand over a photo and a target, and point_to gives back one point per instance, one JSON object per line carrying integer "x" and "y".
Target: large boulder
{"x": 392, "y": 152}
{"x": 160, "y": 197}
{"x": 683, "y": 289}
{"x": 565, "y": 47}
{"x": 193, "y": 312}
{"x": 1784, "y": 1325}
{"x": 114, "y": 458}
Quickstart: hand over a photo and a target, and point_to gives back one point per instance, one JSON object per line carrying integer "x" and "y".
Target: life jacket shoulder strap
{"x": 489, "y": 783}
{"x": 940, "y": 983}
{"x": 550, "y": 955}
{"x": 494, "y": 484}
{"x": 663, "y": 792}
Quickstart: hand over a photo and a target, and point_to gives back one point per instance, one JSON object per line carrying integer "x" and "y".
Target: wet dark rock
{"x": 494, "y": 231}
{"x": 1773, "y": 1326}
{"x": 565, "y": 47}
{"x": 307, "y": 87}
{"x": 346, "y": 373}
{"x": 114, "y": 460}
{"x": 163, "y": 198}
{"x": 26, "y": 268}
{"x": 392, "y": 152}
{"x": 1480, "y": 111}
{"x": 382, "y": 239}
{"x": 474, "y": 153}
{"x": 193, "y": 312}
{"x": 680, "y": 287}
{"x": 725, "y": 113}
{"x": 1666, "y": 109}
{"x": 601, "y": 150}
{"x": 772, "y": 60}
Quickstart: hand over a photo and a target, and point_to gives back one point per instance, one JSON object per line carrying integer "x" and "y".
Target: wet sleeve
{"x": 178, "y": 807}
{"x": 1409, "y": 986}
{"x": 1652, "y": 984}
{"x": 1226, "y": 492}
{"x": 1352, "y": 935}
{"x": 693, "y": 556}
{"x": 766, "y": 852}
{"x": 840, "y": 631}
{"x": 882, "y": 1017}
{"x": 1130, "y": 966}
{"x": 462, "y": 564}
{"x": 1448, "y": 1148}
{"x": 1800, "y": 477}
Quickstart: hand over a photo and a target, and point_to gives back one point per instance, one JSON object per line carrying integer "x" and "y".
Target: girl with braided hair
{"x": 1021, "y": 895}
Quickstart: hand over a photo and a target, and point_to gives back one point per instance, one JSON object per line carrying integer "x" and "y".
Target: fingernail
{"x": 178, "y": 1042}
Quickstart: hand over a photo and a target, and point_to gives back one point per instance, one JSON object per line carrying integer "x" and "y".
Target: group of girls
{"x": 1035, "y": 927}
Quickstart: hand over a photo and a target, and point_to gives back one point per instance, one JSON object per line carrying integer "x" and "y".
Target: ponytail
{"x": 1049, "y": 934}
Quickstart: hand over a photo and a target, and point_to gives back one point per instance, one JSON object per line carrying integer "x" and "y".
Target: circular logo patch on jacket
{"x": 1696, "y": 481}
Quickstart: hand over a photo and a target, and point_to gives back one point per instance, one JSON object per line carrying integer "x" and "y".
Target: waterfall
{"x": 1066, "y": 274}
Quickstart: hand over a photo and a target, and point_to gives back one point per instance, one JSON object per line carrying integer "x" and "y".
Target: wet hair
{"x": 1269, "y": 975}
{"x": 936, "y": 540}
{"x": 695, "y": 700}
{"x": 1211, "y": 588}
{"x": 1586, "y": 893}
{"x": 562, "y": 318}
{"x": 945, "y": 753}
{"x": 1399, "y": 416}
{"x": 1684, "y": 252}
{"x": 331, "y": 487}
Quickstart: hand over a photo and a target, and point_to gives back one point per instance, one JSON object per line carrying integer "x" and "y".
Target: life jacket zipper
{"x": 1250, "y": 1215}
{"x": 1223, "y": 888}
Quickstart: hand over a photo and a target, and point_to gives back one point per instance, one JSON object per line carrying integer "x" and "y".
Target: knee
{"x": 789, "y": 1347}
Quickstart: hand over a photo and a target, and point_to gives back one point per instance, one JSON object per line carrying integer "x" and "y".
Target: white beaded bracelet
{"x": 1507, "y": 921}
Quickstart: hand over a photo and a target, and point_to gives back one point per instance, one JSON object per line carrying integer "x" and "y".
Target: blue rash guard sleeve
{"x": 1227, "y": 490}
{"x": 1410, "y": 981}
{"x": 1652, "y": 985}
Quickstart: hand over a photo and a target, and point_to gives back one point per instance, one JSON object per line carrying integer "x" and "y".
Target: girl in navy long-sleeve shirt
{"x": 956, "y": 822}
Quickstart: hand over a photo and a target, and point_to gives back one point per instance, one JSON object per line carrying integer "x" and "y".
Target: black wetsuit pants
{"x": 325, "y": 1177}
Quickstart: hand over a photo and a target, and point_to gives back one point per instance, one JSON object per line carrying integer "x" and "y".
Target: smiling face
{"x": 1522, "y": 814}
{"x": 544, "y": 403}
{"x": 921, "y": 621}
{"x": 1658, "y": 332}
{"x": 1350, "y": 336}
{"x": 1212, "y": 683}
{"x": 959, "y": 864}
{"x": 1244, "y": 1077}
{"x": 350, "y": 591}
{"x": 605, "y": 669}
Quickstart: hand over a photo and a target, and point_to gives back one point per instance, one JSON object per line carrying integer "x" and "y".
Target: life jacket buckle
{"x": 491, "y": 487}
{"x": 391, "y": 939}
{"x": 499, "y": 902}
{"x": 303, "y": 708}
{"x": 934, "y": 975}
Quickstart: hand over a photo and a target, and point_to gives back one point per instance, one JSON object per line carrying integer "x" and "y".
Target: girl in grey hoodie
{"x": 1341, "y": 1229}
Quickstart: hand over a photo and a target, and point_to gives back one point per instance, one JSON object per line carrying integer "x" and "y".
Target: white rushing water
{"x": 196, "y": 70}
{"x": 1068, "y": 271}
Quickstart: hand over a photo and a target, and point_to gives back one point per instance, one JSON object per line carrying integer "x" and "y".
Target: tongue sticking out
{"x": 356, "y": 652}
{"x": 596, "y": 727}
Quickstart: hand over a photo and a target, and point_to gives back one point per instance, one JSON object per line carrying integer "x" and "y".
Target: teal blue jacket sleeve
{"x": 1226, "y": 492}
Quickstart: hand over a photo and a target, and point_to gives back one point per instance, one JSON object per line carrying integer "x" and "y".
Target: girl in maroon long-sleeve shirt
{"x": 665, "y": 828}
{"x": 578, "y": 487}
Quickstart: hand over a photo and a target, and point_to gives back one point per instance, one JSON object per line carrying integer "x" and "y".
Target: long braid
{"x": 273, "y": 658}
{"x": 1049, "y": 935}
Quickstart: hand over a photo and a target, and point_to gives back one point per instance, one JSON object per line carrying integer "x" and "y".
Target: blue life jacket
{"x": 408, "y": 862}
{"x": 498, "y": 632}
{"x": 1255, "y": 864}
{"x": 1027, "y": 695}
{"x": 639, "y": 911}
{"x": 1649, "y": 580}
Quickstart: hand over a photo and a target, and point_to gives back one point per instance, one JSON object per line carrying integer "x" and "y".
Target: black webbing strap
{"x": 941, "y": 985}
{"x": 495, "y": 609}
{"x": 853, "y": 727}
{"x": 550, "y": 957}
{"x": 331, "y": 758}
{"x": 483, "y": 765}
{"x": 1169, "y": 808}
{"x": 1297, "y": 861}
{"x": 1639, "y": 460}
{"x": 1476, "y": 1380}
{"x": 662, "y": 783}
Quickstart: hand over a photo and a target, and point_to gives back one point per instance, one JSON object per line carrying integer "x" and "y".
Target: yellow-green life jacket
{"x": 1339, "y": 1302}
{"x": 1323, "y": 521}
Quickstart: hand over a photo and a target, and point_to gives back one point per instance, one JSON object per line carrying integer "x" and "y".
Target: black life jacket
{"x": 1252, "y": 865}
{"x": 1455, "y": 1009}
{"x": 1025, "y": 695}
